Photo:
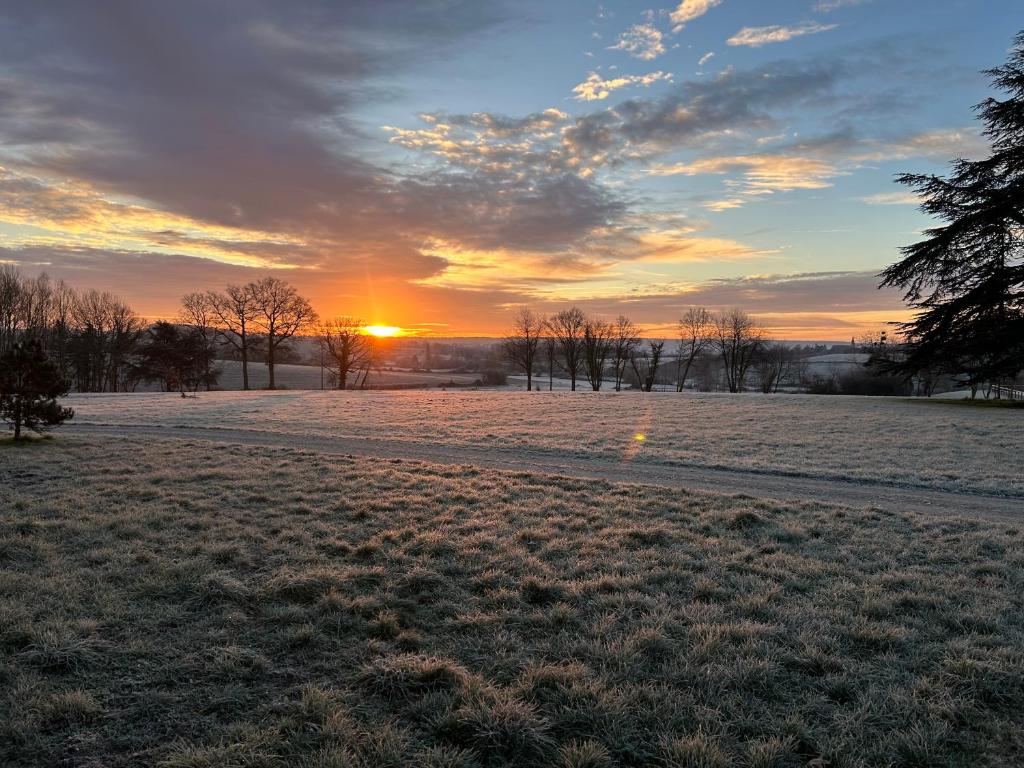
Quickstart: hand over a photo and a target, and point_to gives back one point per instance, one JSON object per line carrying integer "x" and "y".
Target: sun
{"x": 383, "y": 330}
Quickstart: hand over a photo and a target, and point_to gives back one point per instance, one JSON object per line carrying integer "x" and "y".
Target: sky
{"x": 438, "y": 165}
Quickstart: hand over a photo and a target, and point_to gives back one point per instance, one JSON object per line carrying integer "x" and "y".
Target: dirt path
{"x": 780, "y": 486}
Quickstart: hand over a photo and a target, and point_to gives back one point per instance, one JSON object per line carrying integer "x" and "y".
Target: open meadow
{"x": 177, "y": 603}
{"x": 911, "y": 442}
{"x": 793, "y": 538}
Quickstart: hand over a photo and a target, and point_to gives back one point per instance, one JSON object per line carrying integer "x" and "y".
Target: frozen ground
{"x": 308, "y": 377}
{"x": 185, "y": 604}
{"x": 890, "y": 440}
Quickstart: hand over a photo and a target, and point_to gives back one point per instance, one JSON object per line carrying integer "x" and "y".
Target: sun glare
{"x": 383, "y": 330}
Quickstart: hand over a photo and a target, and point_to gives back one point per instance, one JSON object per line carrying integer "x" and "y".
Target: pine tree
{"x": 967, "y": 276}
{"x": 30, "y": 384}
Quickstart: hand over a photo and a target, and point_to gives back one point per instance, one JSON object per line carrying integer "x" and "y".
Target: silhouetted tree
{"x": 177, "y": 358}
{"x": 736, "y": 338}
{"x": 103, "y": 342}
{"x": 966, "y": 279}
{"x": 773, "y": 364}
{"x": 566, "y": 328}
{"x": 645, "y": 363}
{"x": 197, "y": 313}
{"x": 521, "y": 346}
{"x": 280, "y": 314}
{"x": 233, "y": 313}
{"x": 694, "y": 337}
{"x": 550, "y": 348}
{"x": 30, "y": 384}
{"x": 597, "y": 346}
{"x": 10, "y": 305}
{"x": 348, "y": 346}
{"x": 625, "y": 340}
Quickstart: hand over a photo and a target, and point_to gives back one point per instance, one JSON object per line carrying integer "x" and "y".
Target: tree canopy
{"x": 30, "y": 384}
{"x": 966, "y": 277}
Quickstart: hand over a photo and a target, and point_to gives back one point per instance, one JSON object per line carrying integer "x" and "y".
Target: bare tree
{"x": 597, "y": 347}
{"x": 645, "y": 363}
{"x": 522, "y": 345}
{"x": 280, "y": 314}
{"x": 350, "y": 349}
{"x": 550, "y": 348}
{"x": 197, "y": 312}
{"x": 737, "y": 337}
{"x": 62, "y": 306}
{"x": 126, "y": 328}
{"x": 694, "y": 336}
{"x": 567, "y": 330}
{"x": 10, "y": 305}
{"x": 36, "y": 305}
{"x": 773, "y": 364}
{"x": 625, "y": 340}
{"x": 234, "y": 315}
{"x": 106, "y": 332}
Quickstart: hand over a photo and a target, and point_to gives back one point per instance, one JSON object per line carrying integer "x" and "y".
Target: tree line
{"x": 100, "y": 344}
{"x": 594, "y": 351}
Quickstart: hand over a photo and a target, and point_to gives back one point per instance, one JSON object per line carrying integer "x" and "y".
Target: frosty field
{"x": 188, "y": 605}
{"x": 916, "y": 443}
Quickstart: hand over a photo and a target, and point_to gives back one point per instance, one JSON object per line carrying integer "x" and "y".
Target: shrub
{"x": 493, "y": 377}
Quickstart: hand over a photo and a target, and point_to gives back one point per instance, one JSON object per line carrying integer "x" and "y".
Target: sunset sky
{"x": 437, "y": 164}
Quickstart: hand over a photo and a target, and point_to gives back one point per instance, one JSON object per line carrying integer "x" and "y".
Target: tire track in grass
{"x": 761, "y": 484}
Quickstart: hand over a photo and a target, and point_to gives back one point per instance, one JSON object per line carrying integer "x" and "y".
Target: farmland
{"x": 175, "y": 603}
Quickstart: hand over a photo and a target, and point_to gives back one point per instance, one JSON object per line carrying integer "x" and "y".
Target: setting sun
{"x": 383, "y": 330}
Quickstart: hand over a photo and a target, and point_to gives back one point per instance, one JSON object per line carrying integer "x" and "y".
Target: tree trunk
{"x": 17, "y": 418}
{"x": 685, "y": 374}
{"x": 270, "y": 363}
{"x": 245, "y": 361}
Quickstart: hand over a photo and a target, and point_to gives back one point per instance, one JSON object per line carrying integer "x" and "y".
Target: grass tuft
{"x": 502, "y": 619}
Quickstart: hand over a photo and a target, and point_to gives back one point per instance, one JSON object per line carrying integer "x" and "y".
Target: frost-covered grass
{"x": 308, "y": 377}
{"x": 180, "y": 604}
{"x": 893, "y": 439}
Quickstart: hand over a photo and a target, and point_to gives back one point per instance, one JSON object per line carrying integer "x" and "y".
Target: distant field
{"x": 890, "y": 439}
{"x": 183, "y": 605}
{"x": 308, "y": 377}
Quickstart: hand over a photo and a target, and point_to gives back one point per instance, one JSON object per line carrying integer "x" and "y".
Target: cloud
{"x": 195, "y": 143}
{"x": 835, "y": 305}
{"x": 176, "y": 151}
{"x": 688, "y": 10}
{"x": 705, "y": 58}
{"x": 891, "y": 198}
{"x": 593, "y": 270}
{"x": 840, "y": 291}
{"x": 847, "y": 147}
{"x": 695, "y": 111}
{"x": 938, "y": 144}
{"x": 827, "y": 6}
{"x": 641, "y": 41}
{"x": 812, "y": 163}
{"x": 761, "y": 174}
{"x": 758, "y": 36}
{"x": 596, "y": 88}
{"x": 163, "y": 109}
